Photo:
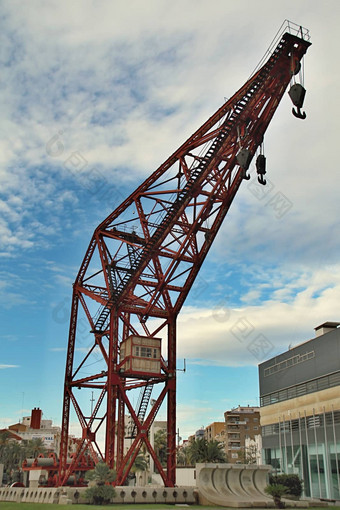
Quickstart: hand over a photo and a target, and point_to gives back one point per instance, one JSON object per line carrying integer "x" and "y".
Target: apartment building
{"x": 300, "y": 412}
{"x": 215, "y": 431}
{"x": 241, "y": 424}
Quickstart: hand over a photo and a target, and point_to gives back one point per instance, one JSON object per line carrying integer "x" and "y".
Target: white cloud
{"x": 126, "y": 91}
{"x": 123, "y": 85}
{"x": 3, "y": 367}
{"x": 249, "y": 335}
{"x": 189, "y": 414}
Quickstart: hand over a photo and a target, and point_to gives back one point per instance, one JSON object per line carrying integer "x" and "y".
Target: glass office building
{"x": 300, "y": 412}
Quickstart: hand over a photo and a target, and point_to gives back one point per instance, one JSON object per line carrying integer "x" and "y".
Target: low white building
{"x": 34, "y": 427}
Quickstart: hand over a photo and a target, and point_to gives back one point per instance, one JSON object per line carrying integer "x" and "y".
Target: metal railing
{"x": 287, "y": 26}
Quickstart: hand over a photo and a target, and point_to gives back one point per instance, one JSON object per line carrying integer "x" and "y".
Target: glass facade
{"x": 310, "y": 447}
{"x": 300, "y": 412}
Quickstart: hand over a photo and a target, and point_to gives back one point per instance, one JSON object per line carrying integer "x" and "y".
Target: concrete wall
{"x": 185, "y": 477}
{"x": 68, "y": 495}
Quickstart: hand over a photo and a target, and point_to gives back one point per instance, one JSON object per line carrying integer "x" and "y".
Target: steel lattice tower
{"x": 143, "y": 260}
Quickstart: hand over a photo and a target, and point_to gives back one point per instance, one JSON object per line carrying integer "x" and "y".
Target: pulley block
{"x": 243, "y": 159}
{"x": 297, "y": 94}
{"x": 261, "y": 168}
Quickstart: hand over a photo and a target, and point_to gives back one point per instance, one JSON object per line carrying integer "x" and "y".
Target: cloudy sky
{"x": 122, "y": 85}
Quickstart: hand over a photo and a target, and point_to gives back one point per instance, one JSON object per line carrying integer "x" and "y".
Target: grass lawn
{"x": 4, "y": 505}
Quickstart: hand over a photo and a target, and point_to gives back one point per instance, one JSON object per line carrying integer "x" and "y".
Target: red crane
{"x": 142, "y": 262}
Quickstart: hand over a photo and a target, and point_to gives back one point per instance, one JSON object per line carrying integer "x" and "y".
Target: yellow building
{"x": 215, "y": 431}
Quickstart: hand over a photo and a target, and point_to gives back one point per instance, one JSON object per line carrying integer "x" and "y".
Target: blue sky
{"x": 120, "y": 86}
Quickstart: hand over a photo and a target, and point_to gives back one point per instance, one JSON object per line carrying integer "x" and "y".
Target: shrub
{"x": 276, "y": 491}
{"x": 100, "y": 494}
{"x": 293, "y": 483}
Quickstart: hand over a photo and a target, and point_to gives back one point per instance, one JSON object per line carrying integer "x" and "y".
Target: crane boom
{"x": 143, "y": 260}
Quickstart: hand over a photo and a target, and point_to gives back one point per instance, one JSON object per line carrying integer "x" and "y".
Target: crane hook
{"x": 298, "y": 114}
{"x": 244, "y": 174}
{"x": 297, "y": 94}
{"x": 261, "y": 180}
{"x": 261, "y": 168}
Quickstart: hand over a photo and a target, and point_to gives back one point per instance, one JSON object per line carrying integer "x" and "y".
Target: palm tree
{"x": 34, "y": 447}
{"x": 11, "y": 456}
{"x": 102, "y": 492}
{"x": 101, "y": 474}
{"x": 201, "y": 450}
{"x": 183, "y": 456}
{"x": 215, "y": 452}
{"x": 160, "y": 444}
{"x": 276, "y": 491}
{"x": 140, "y": 464}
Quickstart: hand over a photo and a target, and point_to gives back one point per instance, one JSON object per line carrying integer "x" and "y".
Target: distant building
{"x": 11, "y": 436}
{"x": 199, "y": 434}
{"x": 34, "y": 427}
{"x": 242, "y": 423}
{"x": 253, "y": 450}
{"x": 300, "y": 412}
{"x": 215, "y": 431}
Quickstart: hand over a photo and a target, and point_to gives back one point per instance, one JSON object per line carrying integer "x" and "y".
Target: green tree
{"x": 12, "y": 455}
{"x": 292, "y": 482}
{"x": 276, "y": 491}
{"x": 160, "y": 445}
{"x": 141, "y": 463}
{"x": 201, "y": 450}
{"x": 101, "y": 493}
{"x": 34, "y": 447}
{"x": 183, "y": 457}
{"x": 101, "y": 474}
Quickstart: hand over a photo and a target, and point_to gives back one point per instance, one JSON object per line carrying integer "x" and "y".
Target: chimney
{"x": 326, "y": 327}
{"x": 36, "y": 418}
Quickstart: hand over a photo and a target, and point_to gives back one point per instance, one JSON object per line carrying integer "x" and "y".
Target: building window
{"x": 287, "y": 363}
{"x": 145, "y": 352}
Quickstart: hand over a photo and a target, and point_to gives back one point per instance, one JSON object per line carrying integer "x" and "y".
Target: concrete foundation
{"x": 234, "y": 485}
{"x": 239, "y": 486}
{"x": 72, "y": 495}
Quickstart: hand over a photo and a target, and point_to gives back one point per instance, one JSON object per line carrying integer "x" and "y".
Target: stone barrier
{"x": 73, "y": 495}
{"x": 234, "y": 485}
